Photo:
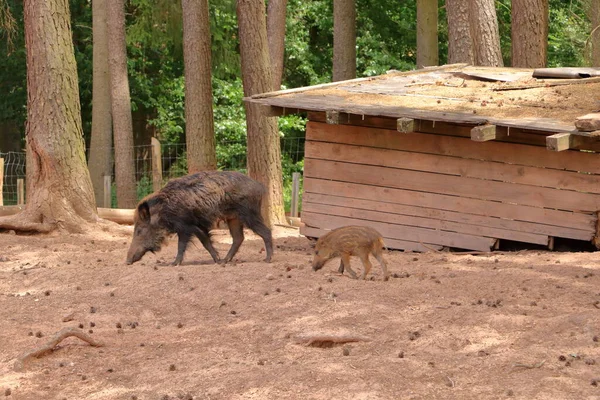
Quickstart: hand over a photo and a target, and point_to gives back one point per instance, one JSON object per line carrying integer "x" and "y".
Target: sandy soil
{"x": 447, "y": 326}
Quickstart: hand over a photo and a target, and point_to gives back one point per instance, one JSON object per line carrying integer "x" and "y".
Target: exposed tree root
{"x": 22, "y": 222}
{"x": 326, "y": 341}
{"x": 52, "y": 343}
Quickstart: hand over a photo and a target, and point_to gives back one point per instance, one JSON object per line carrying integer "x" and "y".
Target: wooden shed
{"x": 453, "y": 156}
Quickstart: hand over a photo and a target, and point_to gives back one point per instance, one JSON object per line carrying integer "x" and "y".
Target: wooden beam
{"x": 120, "y": 216}
{"x": 454, "y": 146}
{"x": 588, "y": 122}
{"x": 276, "y": 111}
{"x": 332, "y": 117}
{"x": 405, "y": 125}
{"x": 483, "y": 133}
{"x": 564, "y": 141}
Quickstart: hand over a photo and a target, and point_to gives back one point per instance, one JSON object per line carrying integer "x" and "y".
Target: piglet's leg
{"x": 346, "y": 263}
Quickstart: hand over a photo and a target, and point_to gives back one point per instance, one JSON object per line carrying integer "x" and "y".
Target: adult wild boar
{"x": 189, "y": 206}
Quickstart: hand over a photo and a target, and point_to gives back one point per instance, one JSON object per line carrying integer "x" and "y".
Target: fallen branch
{"x": 52, "y": 343}
{"x": 529, "y": 366}
{"x": 325, "y": 341}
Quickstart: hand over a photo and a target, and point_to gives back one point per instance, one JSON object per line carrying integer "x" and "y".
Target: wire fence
{"x": 230, "y": 156}
{"x": 14, "y": 169}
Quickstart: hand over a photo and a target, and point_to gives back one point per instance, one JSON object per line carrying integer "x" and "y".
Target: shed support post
{"x": 295, "y": 194}
{"x": 156, "y": 165}
{"x": 107, "y": 191}
{"x": 20, "y": 191}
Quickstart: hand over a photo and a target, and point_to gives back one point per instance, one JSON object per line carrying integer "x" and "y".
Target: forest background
{"x": 386, "y": 39}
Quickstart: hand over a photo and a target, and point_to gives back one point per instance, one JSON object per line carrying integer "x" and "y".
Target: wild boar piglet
{"x": 350, "y": 241}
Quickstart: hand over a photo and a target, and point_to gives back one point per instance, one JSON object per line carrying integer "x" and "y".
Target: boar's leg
{"x": 367, "y": 265}
{"x": 346, "y": 264}
{"x": 236, "y": 229}
{"x": 341, "y": 268}
{"x": 255, "y": 222}
{"x": 379, "y": 258}
{"x": 204, "y": 237}
{"x": 184, "y": 239}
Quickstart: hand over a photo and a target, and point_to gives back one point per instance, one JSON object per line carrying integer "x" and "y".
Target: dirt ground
{"x": 522, "y": 325}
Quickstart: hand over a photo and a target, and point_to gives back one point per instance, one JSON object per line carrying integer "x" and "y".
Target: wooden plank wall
{"x": 424, "y": 191}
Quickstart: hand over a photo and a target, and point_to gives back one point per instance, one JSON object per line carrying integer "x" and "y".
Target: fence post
{"x": 295, "y": 194}
{"x": 156, "y": 165}
{"x": 107, "y": 201}
{"x": 20, "y": 191}
{"x": 1, "y": 181}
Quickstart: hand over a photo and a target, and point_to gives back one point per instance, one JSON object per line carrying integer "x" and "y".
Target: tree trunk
{"x": 427, "y": 37}
{"x": 60, "y": 193}
{"x": 344, "y": 40}
{"x": 276, "y": 11}
{"x": 264, "y": 153}
{"x": 121, "y": 105}
{"x": 529, "y": 33}
{"x": 594, "y": 11}
{"x": 100, "y": 160}
{"x": 485, "y": 33}
{"x": 460, "y": 43}
{"x": 199, "y": 125}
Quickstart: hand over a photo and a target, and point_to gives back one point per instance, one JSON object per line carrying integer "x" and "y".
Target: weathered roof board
{"x": 454, "y": 93}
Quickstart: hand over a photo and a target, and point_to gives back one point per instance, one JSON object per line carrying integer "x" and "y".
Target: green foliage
{"x": 386, "y": 39}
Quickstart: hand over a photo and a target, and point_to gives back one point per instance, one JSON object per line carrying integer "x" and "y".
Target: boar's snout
{"x": 318, "y": 263}
{"x": 134, "y": 255}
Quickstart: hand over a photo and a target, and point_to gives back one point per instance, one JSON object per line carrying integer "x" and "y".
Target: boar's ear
{"x": 144, "y": 211}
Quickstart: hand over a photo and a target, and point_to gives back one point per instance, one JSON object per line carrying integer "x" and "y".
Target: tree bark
{"x": 529, "y": 33}
{"x": 100, "y": 160}
{"x": 276, "y": 11}
{"x": 199, "y": 124}
{"x": 264, "y": 153}
{"x": 485, "y": 33}
{"x": 460, "y": 43}
{"x": 121, "y": 105}
{"x": 60, "y": 193}
{"x": 427, "y": 35}
{"x": 344, "y": 40}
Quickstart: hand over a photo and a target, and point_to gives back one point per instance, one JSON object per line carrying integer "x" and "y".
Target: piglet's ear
{"x": 144, "y": 211}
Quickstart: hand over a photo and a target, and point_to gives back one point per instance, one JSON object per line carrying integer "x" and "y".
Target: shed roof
{"x": 457, "y": 93}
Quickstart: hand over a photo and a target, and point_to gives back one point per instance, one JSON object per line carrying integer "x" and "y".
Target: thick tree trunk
{"x": 427, "y": 35}
{"x": 264, "y": 153}
{"x": 60, "y": 193}
{"x": 460, "y": 43}
{"x": 100, "y": 159}
{"x": 199, "y": 125}
{"x": 276, "y": 11}
{"x": 121, "y": 105}
{"x": 594, "y": 11}
{"x": 529, "y": 32}
{"x": 344, "y": 40}
{"x": 485, "y": 33}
